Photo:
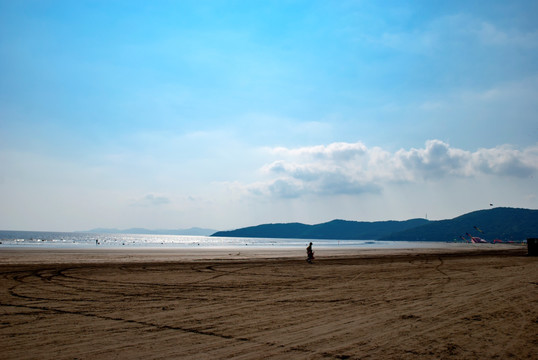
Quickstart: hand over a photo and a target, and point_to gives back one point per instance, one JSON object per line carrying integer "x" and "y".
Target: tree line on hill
{"x": 506, "y": 224}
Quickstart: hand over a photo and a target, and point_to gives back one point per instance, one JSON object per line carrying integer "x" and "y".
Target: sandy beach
{"x": 468, "y": 302}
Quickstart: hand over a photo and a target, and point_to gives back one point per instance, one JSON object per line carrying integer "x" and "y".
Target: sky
{"x": 225, "y": 114}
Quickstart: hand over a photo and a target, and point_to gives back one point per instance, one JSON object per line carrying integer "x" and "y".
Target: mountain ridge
{"x": 507, "y": 224}
{"x": 335, "y": 229}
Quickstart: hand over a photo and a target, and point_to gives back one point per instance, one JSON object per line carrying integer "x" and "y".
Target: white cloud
{"x": 490, "y": 34}
{"x": 352, "y": 168}
{"x": 453, "y": 31}
{"x": 339, "y": 150}
{"x": 506, "y": 161}
{"x": 151, "y": 200}
{"x": 437, "y": 159}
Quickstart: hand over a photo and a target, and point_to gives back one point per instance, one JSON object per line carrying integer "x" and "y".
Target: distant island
{"x": 505, "y": 224}
{"x": 194, "y": 231}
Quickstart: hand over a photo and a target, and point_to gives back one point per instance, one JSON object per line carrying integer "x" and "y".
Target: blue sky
{"x": 222, "y": 114}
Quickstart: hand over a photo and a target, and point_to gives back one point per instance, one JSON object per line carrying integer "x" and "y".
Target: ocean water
{"x": 74, "y": 240}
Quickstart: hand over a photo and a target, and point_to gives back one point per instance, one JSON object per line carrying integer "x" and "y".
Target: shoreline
{"x": 34, "y": 255}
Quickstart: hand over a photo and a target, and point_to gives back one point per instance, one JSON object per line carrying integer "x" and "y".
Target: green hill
{"x": 507, "y": 224}
{"x": 336, "y": 229}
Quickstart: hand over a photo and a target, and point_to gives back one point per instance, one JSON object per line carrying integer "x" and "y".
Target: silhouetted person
{"x": 309, "y": 254}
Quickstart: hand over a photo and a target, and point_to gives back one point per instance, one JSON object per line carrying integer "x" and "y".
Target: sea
{"x": 86, "y": 240}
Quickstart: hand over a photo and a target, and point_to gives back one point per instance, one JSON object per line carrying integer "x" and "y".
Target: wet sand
{"x": 447, "y": 303}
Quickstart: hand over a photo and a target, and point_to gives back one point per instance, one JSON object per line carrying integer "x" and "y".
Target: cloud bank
{"x": 353, "y": 168}
{"x": 151, "y": 200}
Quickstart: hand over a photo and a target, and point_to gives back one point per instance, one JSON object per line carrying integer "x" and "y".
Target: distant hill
{"x": 195, "y": 231}
{"x": 336, "y": 229}
{"x": 498, "y": 223}
{"x": 507, "y": 224}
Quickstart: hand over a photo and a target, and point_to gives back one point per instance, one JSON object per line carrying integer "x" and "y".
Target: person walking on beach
{"x": 309, "y": 254}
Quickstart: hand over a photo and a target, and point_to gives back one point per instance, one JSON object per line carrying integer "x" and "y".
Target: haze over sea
{"x": 81, "y": 240}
